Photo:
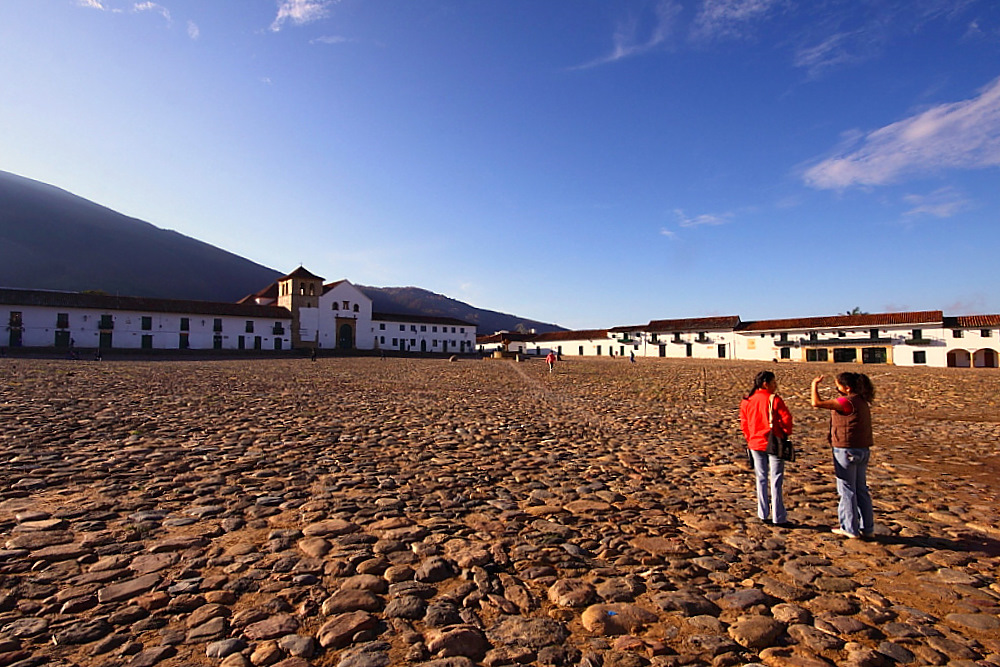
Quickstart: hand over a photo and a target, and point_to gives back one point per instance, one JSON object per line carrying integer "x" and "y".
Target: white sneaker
{"x": 844, "y": 533}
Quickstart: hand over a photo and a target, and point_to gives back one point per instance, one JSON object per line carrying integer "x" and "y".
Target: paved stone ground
{"x": 368, "y": 512}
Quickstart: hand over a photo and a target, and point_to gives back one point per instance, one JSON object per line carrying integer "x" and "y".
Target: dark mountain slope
{"x": 51, "y": 239}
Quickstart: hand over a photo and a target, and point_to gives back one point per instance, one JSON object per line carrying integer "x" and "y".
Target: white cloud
{"x": 730, "y": 18}
{"x": 840, "y": 49}
{"x": 93, "y": 4}
{"x": 193, "y": 31}
{"x": 942, "y": 203}
{"x": 301, "y": 12}
{"x": 668, "y": 233}
{"x": 957, "y": 135}
{"x": 152, "y": 7}
{"x": 701, "y": 220}
{"x": 627, "y": 41}
{"x": 330, "y": 39}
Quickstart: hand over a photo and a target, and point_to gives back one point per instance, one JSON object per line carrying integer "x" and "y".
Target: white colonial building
{"x": 71, "y": 320}
{"x": 922, "y": 338}
{"x": 298, "y": 311}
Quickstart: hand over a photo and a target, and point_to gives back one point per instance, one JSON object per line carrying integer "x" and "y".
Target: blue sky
{"x": 588, "y": 163}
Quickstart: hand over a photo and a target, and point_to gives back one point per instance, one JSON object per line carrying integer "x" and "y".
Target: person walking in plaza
{"x": 550, "y": 359}
{"x": 761, "y": 411}
{"x": 850, "y": 436}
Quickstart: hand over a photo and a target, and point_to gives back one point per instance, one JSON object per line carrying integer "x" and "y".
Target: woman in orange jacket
{"x": 760, "y": 411}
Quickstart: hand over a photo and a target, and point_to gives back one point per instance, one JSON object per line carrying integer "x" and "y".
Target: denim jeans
{"x": 855, "y": 508}
{"x": 770, "y": 472}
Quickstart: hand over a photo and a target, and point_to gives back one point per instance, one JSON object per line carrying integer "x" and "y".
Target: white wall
{"x": 39, "y": 329}
{"x": 425, "y": 336}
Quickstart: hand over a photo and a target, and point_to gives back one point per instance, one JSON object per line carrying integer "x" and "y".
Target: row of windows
{"x": 347, "y": 306}
{"x": 959, "y": 333}
{"x": 63, "y": 340}
{"x": 423, "y": 328}
{"x": 146, "y": 323}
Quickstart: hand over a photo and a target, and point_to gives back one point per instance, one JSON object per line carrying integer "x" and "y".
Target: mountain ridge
{"x": 53, "y": 239}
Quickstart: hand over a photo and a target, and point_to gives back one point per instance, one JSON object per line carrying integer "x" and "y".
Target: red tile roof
{"x": 972, "y": 321}
{"x": 589, "y": 334}
{"x": 695, "y": 324}
{"x": 19, "y": 297}
{"x": 301, "y": 273}
{"x": 866, "y": 320}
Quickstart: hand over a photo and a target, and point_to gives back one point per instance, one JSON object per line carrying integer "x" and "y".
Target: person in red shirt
{"x": 760, "y": 411}
{"x": 550, "y": 359}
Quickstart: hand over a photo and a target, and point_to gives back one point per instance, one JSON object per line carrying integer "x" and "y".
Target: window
{"x": 423, "y": 327}
{"x": 185, "y": 324}
{"x": 677, "y": 337}
{"x": 395, "y": 342}
{"x": 844, "y": 354}
{"x": 918, "y": 334}
{"x": 652, "y": 338}
{"x": 278, "y": 330}
{"x": 434, "y": 343}
{"x": 783, "y": 338}
{"x": 920, "y": 357}
{"x": 334, "y": 306}
{"x": 874, "y": 355}
{"x": 841, "y": 334}
{"x": 462, "y": 330}
{"x": 381, "y": 327}
{"x": 106, "y": 322}
{"x": 147, "y": 341}
{"x": 382, "y": 340}
{"x": 147, "y": 323}
{"x": 413, "y": 328}
{"x": 249, "y": 328}
{"x": 786, "y": 353}
{"x": 347, "y": 305}
{"x": 357, "y": 308}
{"x": 62, "y": 320}
{"x": 453, "y": 329}
{"x": 873, "y": 333}
{"x": 956, "y": 333}
{"x": 402, "y": 327}
{"x": 413, "y": 342}
{"x": 816, "y": 355}
{"x": 598, "y": 350}
{"x": 217, "y": 325}
{"x": 813, "y": 335}
{"x": 581, "y": 350}
{"x": 985, "y": 333}
{"x": 434, "y": 329}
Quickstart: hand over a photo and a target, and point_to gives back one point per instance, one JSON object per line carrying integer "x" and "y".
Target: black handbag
{"x": 778, "y": 445}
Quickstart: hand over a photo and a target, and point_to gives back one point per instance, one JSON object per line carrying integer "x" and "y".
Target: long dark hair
{"x": 759, "y": 381}
{"x": 859, "y": 384}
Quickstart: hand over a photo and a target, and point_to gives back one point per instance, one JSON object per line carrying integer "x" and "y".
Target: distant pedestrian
{"x": 550, "y": 359}
{"x": 313, "y": 354}
{"x": 850, "y": 436}
{"x": 631, "y": 357}
{"x": 761, "y": 412}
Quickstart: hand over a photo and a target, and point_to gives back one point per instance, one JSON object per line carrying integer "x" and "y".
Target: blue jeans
{"x": 770, "y": 472}
{"x": 855, "y": 508}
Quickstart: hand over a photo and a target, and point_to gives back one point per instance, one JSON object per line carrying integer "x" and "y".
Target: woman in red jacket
{"x": 760, "y": 411}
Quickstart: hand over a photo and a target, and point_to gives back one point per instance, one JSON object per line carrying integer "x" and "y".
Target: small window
{"x": 462, "y": 330}
{"x": 783, "y": 338}
{"x": 381, "y": 327}
{"x": 985, "y": 333}
{"x": 185, "y": 324}
{"x": 434, "y": 329}
{"x": 334, "y": 306}
{"x": 413, "y": 328}
{"x": 62, "y": 320}
{"x": 249, "y": 328}
{"x": 382, "y": 339}
{"x": 106, "y": 322}
{"x": 402, "y": 327}
{"x": 920, "y": 357}
{"x": 395, "y": 342}
{"x": 357, "y": 308}
{"x": 873, "y": 333}
{"x": 813, "y": 335}
{"x": 413, "y": 342}
{"x": 918, "y": 334}
{"x": 956, "y": 333}
{"x": 347, "y": 305}
{"x": 217, "y": 324}
{"x": 147, "y": 323}
{"x": 423, "y": 327}
{"x": 453, "y": 329}
{"x": 786, "y": 353}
